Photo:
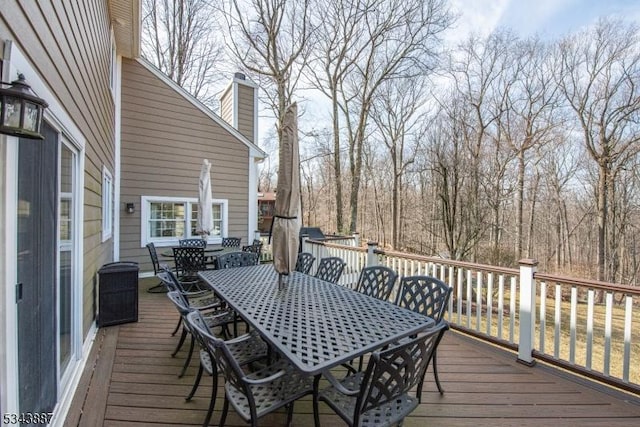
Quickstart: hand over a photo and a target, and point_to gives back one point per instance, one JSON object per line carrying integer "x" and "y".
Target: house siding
{"x": 226, "y": 105}
{"x": 69, "y": 44}
{"x": 246, "y": 112}
{"x": 164, "y": 140}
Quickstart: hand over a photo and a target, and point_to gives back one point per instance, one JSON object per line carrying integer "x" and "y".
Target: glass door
{"x": 66, "y": 256}
{"x": 68, "y": 329}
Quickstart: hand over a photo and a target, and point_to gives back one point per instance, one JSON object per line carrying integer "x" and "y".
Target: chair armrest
{"x": 242, "y": 338}
{"x": 338, "y": 385}
{"x": 270, "y": 378}
{"x": 196, "y": 294}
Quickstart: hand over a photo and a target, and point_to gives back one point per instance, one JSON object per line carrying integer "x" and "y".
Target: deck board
{"x": 131, "y": 380}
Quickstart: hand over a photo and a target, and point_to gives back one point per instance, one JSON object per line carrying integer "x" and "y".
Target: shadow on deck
{"x": 131, "y": 380}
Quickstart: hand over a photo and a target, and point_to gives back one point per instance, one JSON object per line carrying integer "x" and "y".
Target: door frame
{"x": 14, "y": 62}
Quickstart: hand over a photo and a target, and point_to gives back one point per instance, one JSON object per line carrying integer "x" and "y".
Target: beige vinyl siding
{"x": 164, "y": 140}
{"x": 226, "y": 105}
{"x": 68, "y": 43}
{"x": 246, "y": 113}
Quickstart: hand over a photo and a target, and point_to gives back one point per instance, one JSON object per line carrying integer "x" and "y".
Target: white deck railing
{"x": 581, "y": 325}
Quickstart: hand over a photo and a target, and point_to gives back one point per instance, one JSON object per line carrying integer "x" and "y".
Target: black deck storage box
{"x": 118, "y": 293}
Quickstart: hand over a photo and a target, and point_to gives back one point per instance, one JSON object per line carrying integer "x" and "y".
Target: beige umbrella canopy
{"x": 287, "y": 219}
{"x": 204, "y": 220}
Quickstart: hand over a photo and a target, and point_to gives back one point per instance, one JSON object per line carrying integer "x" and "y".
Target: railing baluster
{"x": 543, "y": 315}
{"x": 451, "y": 283}
{"x": 512, "y": 310}
{"x": 459, "y": 294}
{"x": 500, "y": 305}
{"x": 557, "y": 321}
{"x": 590, "y": 302}
{"x": 489, "y": 302}
{"x": 469, "y": 284}
{"x": 572, "y": 324}
{"x": 628, "y": 311}
{"x": 608, "y": 316}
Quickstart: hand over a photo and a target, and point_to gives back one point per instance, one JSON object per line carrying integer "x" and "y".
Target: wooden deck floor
{"x": 131, "y": 380}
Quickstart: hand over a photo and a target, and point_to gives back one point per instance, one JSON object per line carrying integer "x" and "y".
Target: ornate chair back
{"x": 425, "y": 295}
{"x": 236, "y": 259}
{"x": 189, "y": 260}
{"x": 330, "y": 269}
{"x": 193, "y": 243}
{"x": 377, "y": 281}
{"x": 304, "y": 262}
{"x": 231, "y": 242}
{"x": 393, "y": 372}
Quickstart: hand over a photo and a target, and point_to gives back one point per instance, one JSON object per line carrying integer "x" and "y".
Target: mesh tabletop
{"x": 314, "y": 323}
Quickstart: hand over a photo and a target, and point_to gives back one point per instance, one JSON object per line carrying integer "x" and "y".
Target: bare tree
{"x": 269, "y": 38}
{"x": 378, "y": 41}
{"x": 530, "y": 116}
{"x": 396, "y": 114}
{"x": 600, "y": 79}
{"x": 477, "y": 70}
{"x": 449, "y": 161}
{"x": 179, "y": 37}
{"x": 337, "y": 45}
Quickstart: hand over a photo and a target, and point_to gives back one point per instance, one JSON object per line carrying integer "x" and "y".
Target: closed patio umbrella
{"x": 287, "y": 219}
{"x": 204, "y": 220}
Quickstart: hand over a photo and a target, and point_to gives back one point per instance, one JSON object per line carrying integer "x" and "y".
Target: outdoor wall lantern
{"x": 130, "y": 208}
{"x": 20, "y": 110}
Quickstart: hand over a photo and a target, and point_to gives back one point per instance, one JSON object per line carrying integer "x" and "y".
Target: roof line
{"x": 255, "y": 150}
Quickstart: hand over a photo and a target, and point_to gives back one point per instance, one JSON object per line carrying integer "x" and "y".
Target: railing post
{"x": 372, "y": 258}
{"x": 527, "y": 311}
{"x": 303, "y": 246}
{"x": 356, "y": 239}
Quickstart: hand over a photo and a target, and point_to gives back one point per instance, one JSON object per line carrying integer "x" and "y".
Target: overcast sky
{"x": 548, "y": 18}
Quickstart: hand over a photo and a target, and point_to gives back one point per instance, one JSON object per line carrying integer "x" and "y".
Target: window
{"x": 165, "y": 220}
{"x": 107, "y": 204}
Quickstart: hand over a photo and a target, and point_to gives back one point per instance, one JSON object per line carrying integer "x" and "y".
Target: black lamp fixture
{"x": 20, "y": 110}
{"x": 130, "y": 208}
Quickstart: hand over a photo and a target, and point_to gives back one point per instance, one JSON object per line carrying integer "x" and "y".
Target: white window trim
{"x": 107, "y": 204}
{"x": 145, "y": 202}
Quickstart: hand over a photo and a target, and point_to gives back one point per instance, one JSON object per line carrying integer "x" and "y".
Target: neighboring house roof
{"x": 125, "y": 19}
{"x": 254, "y": 150}
{"x": 267, "y": 196}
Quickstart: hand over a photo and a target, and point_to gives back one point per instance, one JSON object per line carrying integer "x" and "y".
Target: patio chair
{"x": 255, "y": 248}
{"x": 201, "y": 300}
{"x": 189, "y": 260}
{"x": 245, "y": 349}
{"x": 153, "y": 254}
{"x": 231, "y": 242}
{"x": 257, "y": 393}
{"x": 304, "y": 262}
{"x": 429, "y": 296}
{"x": 379, "y": 396}
{"x": 193, "y": 243}
{"x": 236, "y": 259}
{"x": 215, "y": 317}
{"x": 377, "y": 281}
{"x": 330, "y": 269}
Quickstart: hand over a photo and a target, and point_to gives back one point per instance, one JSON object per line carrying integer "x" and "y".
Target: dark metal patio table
{"x": 315, "y": 324}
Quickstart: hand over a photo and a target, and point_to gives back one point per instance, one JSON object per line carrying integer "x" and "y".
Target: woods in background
{"x": 490, "y": 150}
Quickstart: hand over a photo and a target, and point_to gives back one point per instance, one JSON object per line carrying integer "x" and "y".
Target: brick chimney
{"x": 239, "y": 106}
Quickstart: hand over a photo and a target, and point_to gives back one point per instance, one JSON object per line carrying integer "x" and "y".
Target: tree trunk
{"x": 602, "y": 219}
